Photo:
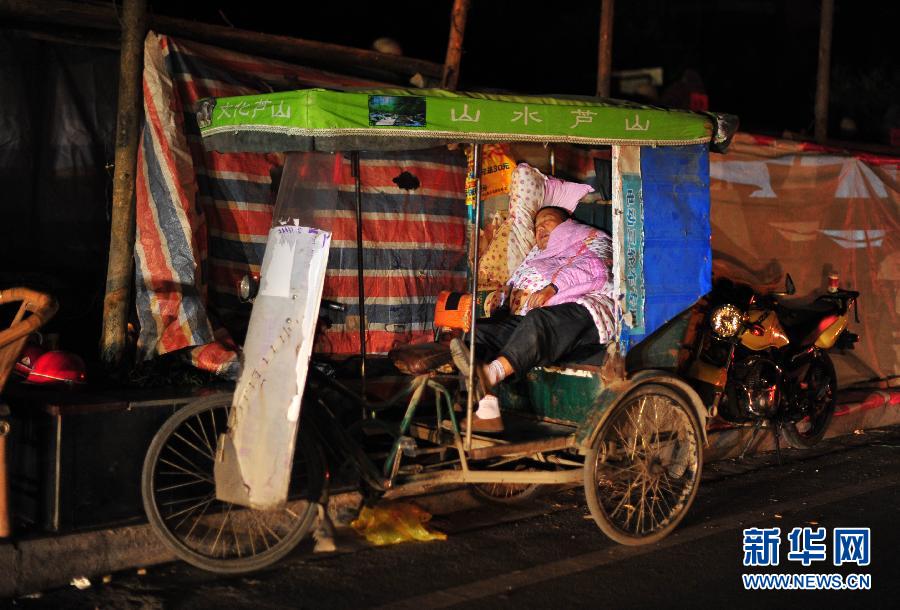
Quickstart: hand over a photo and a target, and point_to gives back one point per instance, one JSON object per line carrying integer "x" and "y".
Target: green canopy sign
{"x": 319, "y": 119}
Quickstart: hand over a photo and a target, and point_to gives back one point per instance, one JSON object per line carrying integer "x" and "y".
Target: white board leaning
{"x": 253, "y": 461}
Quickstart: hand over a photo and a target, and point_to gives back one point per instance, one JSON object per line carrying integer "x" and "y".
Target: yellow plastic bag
{"x": 393, "y": 523}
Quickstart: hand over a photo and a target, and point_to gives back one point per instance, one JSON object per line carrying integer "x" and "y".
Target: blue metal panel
{"x": 677, "y": 254}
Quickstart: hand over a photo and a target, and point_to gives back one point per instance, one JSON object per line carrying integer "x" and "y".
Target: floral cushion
{"x": 526, "y": 196}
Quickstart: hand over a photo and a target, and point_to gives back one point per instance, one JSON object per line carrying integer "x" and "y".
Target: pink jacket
{"x": 571, "y": 262}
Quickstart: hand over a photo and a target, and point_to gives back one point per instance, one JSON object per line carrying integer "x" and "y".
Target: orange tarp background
{"x": 786, "y": 207}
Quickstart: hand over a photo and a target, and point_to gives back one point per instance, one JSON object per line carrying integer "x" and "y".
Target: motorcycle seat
{"x": 802, "y": 322}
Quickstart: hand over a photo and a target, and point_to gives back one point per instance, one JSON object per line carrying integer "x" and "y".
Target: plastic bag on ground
{"x": 395, "y": 522}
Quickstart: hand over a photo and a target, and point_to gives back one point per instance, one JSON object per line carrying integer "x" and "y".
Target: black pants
{"x": 540, "y": 337}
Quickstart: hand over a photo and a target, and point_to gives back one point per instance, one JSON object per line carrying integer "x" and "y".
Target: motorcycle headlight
{"x": 726, "y": 321}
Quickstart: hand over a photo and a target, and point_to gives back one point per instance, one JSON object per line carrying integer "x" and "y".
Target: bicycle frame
{"x": 390, "y": 479}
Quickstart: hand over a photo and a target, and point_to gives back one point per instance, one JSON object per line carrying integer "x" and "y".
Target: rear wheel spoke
{"x": 203, "y": 452}
{"x": 195, "y": 473}
{"x": 190, "y": 508}
{"x": 203, "y": 438}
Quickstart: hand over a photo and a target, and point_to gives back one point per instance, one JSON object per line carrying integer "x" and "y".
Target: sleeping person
{"x": 559, "y": 299}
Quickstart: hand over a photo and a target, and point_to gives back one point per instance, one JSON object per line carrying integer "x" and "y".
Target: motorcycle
{"x": 760, "y": 359}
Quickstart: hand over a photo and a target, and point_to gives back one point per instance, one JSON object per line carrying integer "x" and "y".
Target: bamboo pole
{"x": 104, "y": 17}
{"x": 450, "y": 77}
{"x": 120, "y": 269}
{"x": 604, "y": 58}
{"x": 823, "y": 76}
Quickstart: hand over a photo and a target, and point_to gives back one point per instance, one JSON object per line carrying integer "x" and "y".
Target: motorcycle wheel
{"x": 642, "y": 472}
{"x": 821, "y": 390}
{"x": 179, "y": 494}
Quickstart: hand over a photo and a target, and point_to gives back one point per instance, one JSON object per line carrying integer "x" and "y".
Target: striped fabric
{"x": 202, "y": 217}
{"x": 414, "y": 240}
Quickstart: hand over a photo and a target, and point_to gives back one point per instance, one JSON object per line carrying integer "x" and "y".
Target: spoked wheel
{"x": 818, "y": 393}
{"x": 507, "y": 493}
{"x": 643, "y": 469}
{"x": 179, "y": 495}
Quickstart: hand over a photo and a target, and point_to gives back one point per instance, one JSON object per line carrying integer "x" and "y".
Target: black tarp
{"x": 57, "y": 146}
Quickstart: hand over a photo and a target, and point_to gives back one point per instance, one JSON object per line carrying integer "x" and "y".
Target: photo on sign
{"x": 396, "y": 111}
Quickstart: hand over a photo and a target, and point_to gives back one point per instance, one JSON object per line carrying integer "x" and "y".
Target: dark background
{"x": 757, "y": 59}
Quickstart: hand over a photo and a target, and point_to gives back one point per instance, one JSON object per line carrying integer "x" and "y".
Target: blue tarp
{"x": 677, "y": 253}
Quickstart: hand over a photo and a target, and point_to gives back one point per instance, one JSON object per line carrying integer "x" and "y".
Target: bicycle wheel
{"x": 643, "y": 470}
{"x": 508, "y": 494}
{"x": 818, "y": 394}
{"x": 179, "y": 496}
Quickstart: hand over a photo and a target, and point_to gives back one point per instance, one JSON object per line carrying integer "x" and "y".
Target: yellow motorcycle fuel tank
{"x": 765, "y": 331}
{"x": 835, "y": 326}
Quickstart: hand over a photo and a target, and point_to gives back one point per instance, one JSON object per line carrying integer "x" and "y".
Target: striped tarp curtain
{"x": 202, "y": 217}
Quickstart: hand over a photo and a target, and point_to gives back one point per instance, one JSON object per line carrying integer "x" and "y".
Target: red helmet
{"x": 30, "y": 354}
{"x": 58, "y": 367}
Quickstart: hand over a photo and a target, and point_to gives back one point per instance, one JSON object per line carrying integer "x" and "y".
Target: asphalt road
{"x": 552, "y": 555}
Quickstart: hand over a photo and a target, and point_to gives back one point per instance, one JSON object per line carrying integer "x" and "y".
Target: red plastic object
{"x": 58, "y": 367}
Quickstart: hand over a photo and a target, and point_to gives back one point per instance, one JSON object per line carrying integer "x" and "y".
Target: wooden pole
{"x": 5, "y": 521}
{"x": 604, "y": 59}
{"x": 120, "y": 269}
{"x": 823, "y": 76}
{"x": 450, "y": 77}
{"x": 103, "y": 16}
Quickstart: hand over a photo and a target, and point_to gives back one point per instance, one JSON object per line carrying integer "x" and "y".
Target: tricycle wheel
{"x": 507, "y": 494}
{"x": 643, "y": 469}
{"x": 179, "y": 495}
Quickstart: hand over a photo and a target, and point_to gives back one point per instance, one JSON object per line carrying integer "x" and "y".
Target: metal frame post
{"x": 354, "y": 166}
{"x": 476, "y": 234}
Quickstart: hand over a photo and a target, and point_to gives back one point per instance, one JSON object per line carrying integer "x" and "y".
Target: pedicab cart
{"x": 234, "y": 482}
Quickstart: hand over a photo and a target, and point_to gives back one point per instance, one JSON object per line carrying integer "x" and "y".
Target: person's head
{"x": 547, "y": 219}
